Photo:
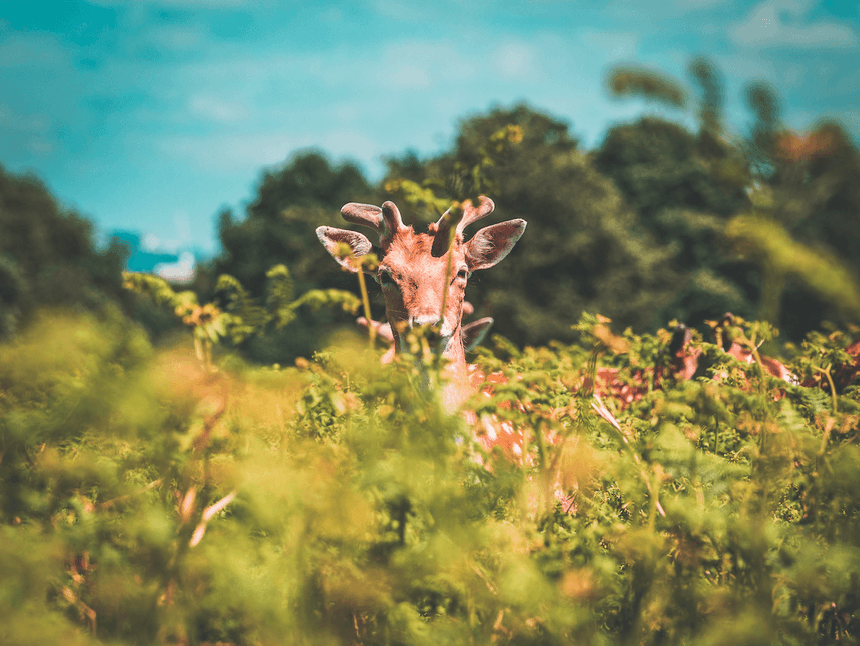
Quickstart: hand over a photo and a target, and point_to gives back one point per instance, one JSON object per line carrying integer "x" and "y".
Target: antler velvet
{"x": 468, "y": 215}
{"x": 386, "y": 221}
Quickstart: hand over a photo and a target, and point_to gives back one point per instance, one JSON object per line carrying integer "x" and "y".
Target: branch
{"x": 208, "y": 513}
{"x": 81, "y": 607}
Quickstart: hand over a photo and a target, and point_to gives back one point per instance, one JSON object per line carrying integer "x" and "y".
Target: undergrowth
{"x": 151, "y": 498}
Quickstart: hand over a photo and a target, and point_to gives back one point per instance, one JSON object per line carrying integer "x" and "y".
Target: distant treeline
{"x": 48, "y": 256}
{"x": 636, "y": 230}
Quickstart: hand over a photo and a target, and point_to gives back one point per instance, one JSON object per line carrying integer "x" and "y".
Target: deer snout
{"x": 445, "y": 327}
{"x": 423, "y": 319}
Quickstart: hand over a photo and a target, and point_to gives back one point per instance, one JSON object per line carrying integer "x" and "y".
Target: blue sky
{"x": 153, "y": 114}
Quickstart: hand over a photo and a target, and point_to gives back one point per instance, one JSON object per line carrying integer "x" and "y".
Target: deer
{"x": 683, "y": 365}
{"x": 423, "y": 276}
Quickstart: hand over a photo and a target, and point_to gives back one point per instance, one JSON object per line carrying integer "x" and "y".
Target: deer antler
{"x": 386, "y": 221}
{"x": 469, "y": 215}
{"x": 472, "y": 214}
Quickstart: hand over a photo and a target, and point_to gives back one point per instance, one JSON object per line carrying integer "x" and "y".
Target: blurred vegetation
{"x": 638, "y": 229}
{"x": 48, "y": 256}
{"x": 234, "y": 316}
{"x": 151, "y": 498}
{"x": 279, "y": 229}
{"x": 687, "y": 187}
{"x": 585, "y": 249}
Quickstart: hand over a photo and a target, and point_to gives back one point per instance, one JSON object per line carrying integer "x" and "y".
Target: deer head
{"x": 414, "y": 267}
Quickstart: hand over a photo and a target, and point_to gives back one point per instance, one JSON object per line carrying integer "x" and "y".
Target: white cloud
{"x": 849, "y": 83}
{"x": 215, "y": 109}
{"x": 42, "y": 95}
{"x": 775, "y": 23}
{"x": 689, "y": 5}
{"x": 151, "y": 243}
{"x": 787, "y": 76}
{"x": 200, "y": 3}
{"x": 177, "y": 39}
{"x": 398, "y": 10}
{"x": 515, "y": 60}
{"x": 792, "y": 75}
{"x": 332, "y": 14}
{"x": 349, "y": 143}
{"x": 40, "y": 146}
{"x": 154, "y": 243}
{"x": 9, "y": 119}
{"x": 22, "y": 49}
{"x": 416, "y": 65}
{"x": 181, "y": 271}
{"x": 183, "y": 227}
{"x": 345, "y": 113}
{"x": 235, "y": 152}
{"x": 404, "y": 75}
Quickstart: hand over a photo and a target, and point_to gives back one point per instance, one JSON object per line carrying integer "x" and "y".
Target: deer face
{"x": 414, "y": 283}
{"x": 413, "y": 267}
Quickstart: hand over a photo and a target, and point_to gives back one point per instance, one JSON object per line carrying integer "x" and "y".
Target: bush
{"x": 152, "y": 499}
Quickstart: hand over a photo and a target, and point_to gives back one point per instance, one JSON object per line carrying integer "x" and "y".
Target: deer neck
{"x": 457, "y": 387}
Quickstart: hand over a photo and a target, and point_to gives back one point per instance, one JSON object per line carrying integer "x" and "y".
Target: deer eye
{"x": 385, "y": 279}
{"x": 462, "y": 274}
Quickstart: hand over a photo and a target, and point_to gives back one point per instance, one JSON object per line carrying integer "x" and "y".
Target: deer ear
{"x": 474, "y": 332}
{"x": 332, "y": 237}
{"x": 489, "y": 245}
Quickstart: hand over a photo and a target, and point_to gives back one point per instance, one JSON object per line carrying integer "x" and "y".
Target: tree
{"x": 711, "y": 194}
{"x": 685, "y": 197}
{"x": 291, "y": 201}
{"x": 808, "y": 184}
{"x": 584, "y": 249}
{"x": 48, "y": 256}
{"x": 658, "y": 164}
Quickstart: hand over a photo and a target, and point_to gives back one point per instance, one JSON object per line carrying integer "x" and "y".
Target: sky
{"x": 153, "y": 115}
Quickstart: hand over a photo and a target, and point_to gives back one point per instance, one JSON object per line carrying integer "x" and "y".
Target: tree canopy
{"x": 48, "y": 257}
{"x": 584, "y": 248}
{"x": 279, "y": 228}
{"x": 635, "y": 229}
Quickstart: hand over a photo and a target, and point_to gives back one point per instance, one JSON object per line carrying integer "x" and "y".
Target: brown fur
{"x": 415, "y": 282}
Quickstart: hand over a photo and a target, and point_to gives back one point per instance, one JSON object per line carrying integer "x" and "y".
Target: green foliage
{"x": 584, "y": 248}
{"x": 48, "y": 256}
{"x": 800, "y": 187}
{"x": 278, "y": 229}
{"x": 639, "y": 81}
{"x": 808, "y": 188}
{"x": 237, "y": 316}
{"x": 659, "y": 165}
{"x": 471, "y": 176}
{"x": 663, "y": 172}
{"x": 635, "y": 229}
{"x": 148, "y": 499}
{"x": 772, "y": 245}
{"x": 168, "y": 498}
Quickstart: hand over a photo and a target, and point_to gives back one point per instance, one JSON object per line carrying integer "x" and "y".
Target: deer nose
{"x": 423, "y": 319}
{"x": 445, "y": 328}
